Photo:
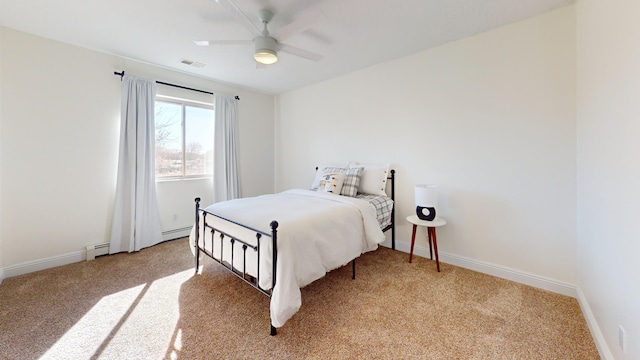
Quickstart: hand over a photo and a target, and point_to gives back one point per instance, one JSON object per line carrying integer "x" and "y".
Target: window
{"x": 184, "y": 138}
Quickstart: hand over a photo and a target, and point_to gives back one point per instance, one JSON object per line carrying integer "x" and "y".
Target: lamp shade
{"x": 426, "y": 198}
{"x": 426, "y": 195}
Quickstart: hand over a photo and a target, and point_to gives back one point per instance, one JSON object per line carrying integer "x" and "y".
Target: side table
{"x": 431, "y": 235}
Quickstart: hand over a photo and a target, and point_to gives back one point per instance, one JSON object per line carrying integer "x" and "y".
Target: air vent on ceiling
{"x": 193, "y": 63}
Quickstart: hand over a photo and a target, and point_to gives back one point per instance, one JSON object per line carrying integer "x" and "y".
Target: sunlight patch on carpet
{"x": 86, "y": 336}
{"x": 142, "y": 318}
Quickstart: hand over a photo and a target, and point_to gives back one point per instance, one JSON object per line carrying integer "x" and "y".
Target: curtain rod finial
{"x": 120, "y": 74}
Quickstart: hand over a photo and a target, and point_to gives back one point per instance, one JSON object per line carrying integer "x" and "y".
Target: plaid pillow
{"x": 351, "y": 180}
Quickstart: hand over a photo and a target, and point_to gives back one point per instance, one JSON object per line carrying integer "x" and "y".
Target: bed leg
{"x": 274, "y": 331}
{"x": 197, "y": 259}
{"x": 197, "y": 237}
{"x": 393, "y": 210}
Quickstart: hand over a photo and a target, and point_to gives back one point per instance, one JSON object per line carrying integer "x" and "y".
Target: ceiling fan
{"x": 266, "y": 46}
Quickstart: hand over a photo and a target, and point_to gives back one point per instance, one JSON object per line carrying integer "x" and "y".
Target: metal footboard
{"x": 218, "y": 238}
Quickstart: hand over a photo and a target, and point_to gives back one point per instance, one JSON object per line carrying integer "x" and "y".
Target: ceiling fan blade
{"x": 232, "y": 9}
{"x": 299, "y": 52}
{"x": 299, "y": 25}
{"x": 221, "y": 42}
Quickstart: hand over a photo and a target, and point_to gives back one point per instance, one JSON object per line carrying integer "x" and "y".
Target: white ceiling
{"x": 351, "y": 34}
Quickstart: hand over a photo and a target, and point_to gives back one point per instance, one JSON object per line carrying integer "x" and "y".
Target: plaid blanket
{"x": 383, "y": 205}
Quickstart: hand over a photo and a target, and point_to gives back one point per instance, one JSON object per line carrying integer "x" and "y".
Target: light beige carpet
{"x": 150, "y": 305}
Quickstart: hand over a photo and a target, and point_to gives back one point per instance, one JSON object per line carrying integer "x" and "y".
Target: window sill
{"x": 163, "y": 180}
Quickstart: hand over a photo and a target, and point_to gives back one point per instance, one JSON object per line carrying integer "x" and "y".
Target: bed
{"x": 279, "y": 243}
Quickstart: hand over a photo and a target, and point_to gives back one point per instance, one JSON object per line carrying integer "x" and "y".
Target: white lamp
{"x": 426, "y": 200}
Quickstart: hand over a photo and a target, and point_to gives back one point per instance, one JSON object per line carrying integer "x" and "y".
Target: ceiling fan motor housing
{"x": 265, "y": 43}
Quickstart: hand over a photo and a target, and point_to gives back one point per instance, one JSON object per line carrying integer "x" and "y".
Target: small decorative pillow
{"x": 320, "y": 171}
{"x": 331, "y": 182}
{"x": 351, "y": 179}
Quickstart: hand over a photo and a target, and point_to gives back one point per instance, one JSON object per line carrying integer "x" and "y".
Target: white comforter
{"x": 317, "y": 232}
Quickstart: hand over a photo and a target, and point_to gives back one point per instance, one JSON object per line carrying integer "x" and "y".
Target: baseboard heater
{"x": 97, "y": 250}
{"x": 176, "y": 233}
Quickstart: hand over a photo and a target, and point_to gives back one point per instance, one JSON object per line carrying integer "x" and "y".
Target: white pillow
{"x": 373, "y": 179}
{"x": 320, "y": 171}
{"x": 332, "y": 182}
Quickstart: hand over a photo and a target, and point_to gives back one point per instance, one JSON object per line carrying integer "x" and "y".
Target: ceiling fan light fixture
{"x": 266, "y": 56}
{"x": 265, "y": 50}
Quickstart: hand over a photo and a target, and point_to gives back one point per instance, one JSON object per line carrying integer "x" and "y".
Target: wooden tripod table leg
{"x": 413, "y": 241}
{"x": 433, "y": 238}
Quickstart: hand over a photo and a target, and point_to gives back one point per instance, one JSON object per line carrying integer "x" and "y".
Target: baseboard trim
{"x": 496, "y": 270}
{"x": 1, "y": 275}
{"x": 42, "y": 264}
{"x": 596, "y": 333}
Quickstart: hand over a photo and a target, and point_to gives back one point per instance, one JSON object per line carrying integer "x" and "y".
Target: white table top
{"x": 438, "y": 221}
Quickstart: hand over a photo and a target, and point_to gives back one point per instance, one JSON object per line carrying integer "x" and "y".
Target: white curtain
{"x": 226, "y": 182}
{"x": 136, "y": 219}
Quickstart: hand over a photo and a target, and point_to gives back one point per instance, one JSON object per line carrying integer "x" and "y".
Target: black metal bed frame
{"x": 273, "y": 235}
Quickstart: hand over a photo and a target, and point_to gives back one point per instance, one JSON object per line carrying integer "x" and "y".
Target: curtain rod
{"x": 174, "y": 85}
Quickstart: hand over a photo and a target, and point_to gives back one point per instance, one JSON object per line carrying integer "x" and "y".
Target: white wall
{"x": 59, "y": 145}
{"x": 608, "y": 124}
{"x": 490, "y": 119}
